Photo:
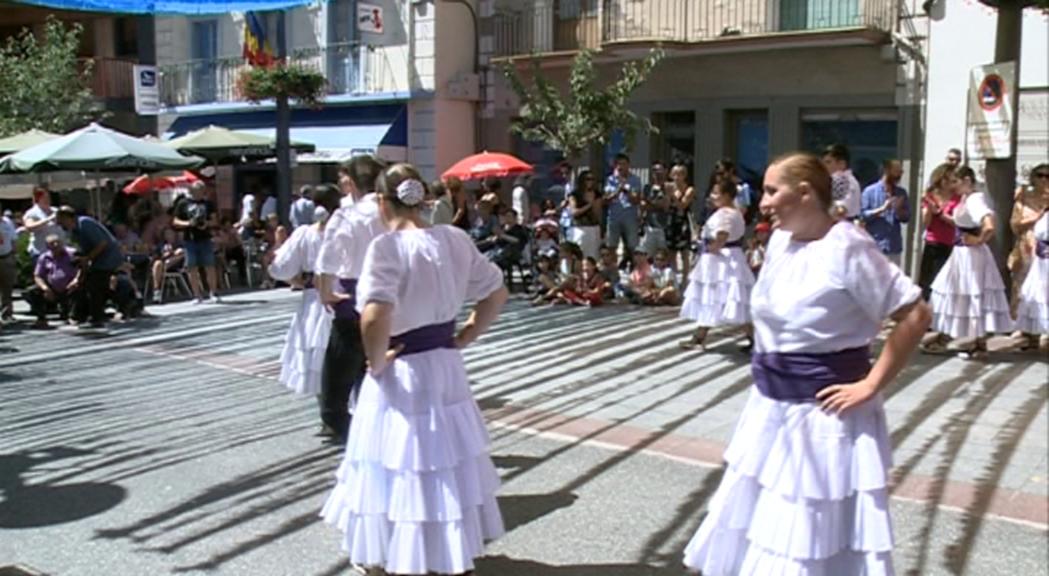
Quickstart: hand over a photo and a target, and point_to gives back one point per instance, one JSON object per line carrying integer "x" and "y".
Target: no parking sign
{"x": 991, "y": 114}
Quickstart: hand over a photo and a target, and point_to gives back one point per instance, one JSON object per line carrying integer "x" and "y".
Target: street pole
{"x": 1001, "y": 172}
{"x": 283, "y": 133}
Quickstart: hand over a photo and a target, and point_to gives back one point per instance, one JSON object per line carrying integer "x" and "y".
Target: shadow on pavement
{"x": 505, "y": 566}
{"x": 36, "y": 505}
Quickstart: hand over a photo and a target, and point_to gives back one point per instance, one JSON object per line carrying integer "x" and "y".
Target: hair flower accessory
{"x": 411, "y": 192}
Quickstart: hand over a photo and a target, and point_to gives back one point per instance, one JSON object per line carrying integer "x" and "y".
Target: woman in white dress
{"x": 416, "y": 488}
{"x": 806, "y": 487}
{"x": 303, "y": 354}
{"x": 585, "y": 204}
{"x": 1032, "y": 312}
{"x": 718, "y": 292}
{"x": 968, "y": 295}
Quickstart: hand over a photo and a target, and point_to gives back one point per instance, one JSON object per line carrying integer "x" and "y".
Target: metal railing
{"x": 351, "y": 68}
{"x": 112, "y": 78}
{"x": 544, "y": 26}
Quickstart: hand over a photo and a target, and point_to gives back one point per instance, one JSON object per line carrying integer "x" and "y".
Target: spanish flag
{"x": 257, "y": 49}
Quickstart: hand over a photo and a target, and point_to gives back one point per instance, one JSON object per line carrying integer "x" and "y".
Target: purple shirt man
{"x": 56, "y": 269}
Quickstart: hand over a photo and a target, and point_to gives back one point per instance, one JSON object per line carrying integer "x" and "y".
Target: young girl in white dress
{"x": 718, "y": 292}
{"x": 806, "y": 487}
{"x": 416, "y": 488}
{"x": 968, "y": 295}
{"x": 1032, "y": 312}
{"x": 303, "y": 354}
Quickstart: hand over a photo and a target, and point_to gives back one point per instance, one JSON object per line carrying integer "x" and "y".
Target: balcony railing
{"x": 544, "y": 26}
{"x": 351, "y": 68}
{"x": 112, "y": 78}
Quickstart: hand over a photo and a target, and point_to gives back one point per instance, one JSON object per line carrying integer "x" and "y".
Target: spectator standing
{"x": 884, "y": 210}
{"x": 953, "y": 158}
{"x": 655, "y": 208}
{"x": 744, "y": 200}
{"x": 302, "y": 208}
{"x": 584, "y": 205}
{"x": 679, "y": 229}
{"x": 99, "y": 256}
{"x": 622, "y": 194}
{"x": 56, "y": 279}
{"x": 937, "y": 206}
{"x": 1029, "y": 202}
{"x": 491, "y": 192}
{"x": 195, "y": 216}
{"x": 719, "y": 288}
{"x": 845, "y": 189}
{"x": 248, "y": 209}
{"x": 461, "y": 204}
{"x": 40, "y": 222}
{"x": 444, "y": 206}
{"x": 968, "y": 295}
{"x": 8, "y": 269}
{"x": 520, "y": 200}
{"x": 269, "y": 207}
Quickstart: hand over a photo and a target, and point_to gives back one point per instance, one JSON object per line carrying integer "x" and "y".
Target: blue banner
{"x": 171, "y": 7}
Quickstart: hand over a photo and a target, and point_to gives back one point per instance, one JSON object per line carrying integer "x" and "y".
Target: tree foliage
{"x": 589, "y": 114}
{"x": 43, "y": 84}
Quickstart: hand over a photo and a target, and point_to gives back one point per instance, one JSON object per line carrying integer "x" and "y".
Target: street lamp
{"x": 479, "y": 128}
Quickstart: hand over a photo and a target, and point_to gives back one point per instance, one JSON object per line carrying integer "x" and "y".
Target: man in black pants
{"x": 99, "y": 257}
{"x": 347, "y": 235}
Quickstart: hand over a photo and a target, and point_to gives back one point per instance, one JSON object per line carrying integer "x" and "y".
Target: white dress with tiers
{"x": 968, "y": 295}
{"x": 805, "y": 493}
{"x": 302, "y": 357}
{"x": 416, "y": 488}
{"x": 1032, "y": 314}
{"x": 718, "y": 292}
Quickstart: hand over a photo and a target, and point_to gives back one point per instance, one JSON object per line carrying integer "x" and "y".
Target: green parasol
{"x": 28, "y": 139}
{"x": 222, "y": 145}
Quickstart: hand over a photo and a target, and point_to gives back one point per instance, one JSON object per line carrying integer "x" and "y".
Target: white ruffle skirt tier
{"x": 804, "y": 494}
{"x": 1032, "y": 312}
{"x": 588, "y": 238}
{"x": 968, "y": 295}
{"x": 416, "y": 489}
{"x": 302, "y": 357}
{"x": 718, "y": 292}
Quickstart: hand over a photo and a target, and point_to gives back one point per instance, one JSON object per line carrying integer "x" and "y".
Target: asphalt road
{"x": 165, "y": 446}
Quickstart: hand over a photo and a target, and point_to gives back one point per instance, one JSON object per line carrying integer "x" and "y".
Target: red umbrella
{"x": 145, "y": 184}
{"x": 186, "y": 178}
{"x": 487, "y": 164}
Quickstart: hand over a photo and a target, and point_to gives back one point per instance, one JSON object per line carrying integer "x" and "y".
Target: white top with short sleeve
{"x": 826, "y": 295}
{"x": 298, "y": 253}
{"x": 427, "y": 274}
{"x": 972, "y": 210}
{"x": 347, "y": 235}
{"x": 725, "y": 220}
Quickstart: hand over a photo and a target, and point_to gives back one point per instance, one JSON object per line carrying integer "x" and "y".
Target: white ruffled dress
{"x": 1032, "y": 313}
{"x": 805, "y": 493}
{"x": 968, "y": 295}
{"x": 416, "y": 488}
{"x": 302, "y": 357}
{"x": 718, "y": 292}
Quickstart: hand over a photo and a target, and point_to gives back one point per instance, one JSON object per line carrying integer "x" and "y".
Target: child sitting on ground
{"x": 546, "y": 282}
{"x": 639, "y": 285}
{"x": 756, "y": 249}
{"x": 664, "y": 282}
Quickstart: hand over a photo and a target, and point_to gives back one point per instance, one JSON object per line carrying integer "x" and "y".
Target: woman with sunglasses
{"x": 1032, "y": 310}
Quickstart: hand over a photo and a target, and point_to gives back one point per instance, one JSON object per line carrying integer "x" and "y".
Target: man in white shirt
{"x": 247, "y": 209}
{"x": 347, "y": 235}
{"x": 269, "y": 206}
{"x": 40, "y": 222}
{"x": 845, "y": 188}
{"x": 8, "y": 269}
{"x": 521, "y": 201}
{"x": 302, "y": 208}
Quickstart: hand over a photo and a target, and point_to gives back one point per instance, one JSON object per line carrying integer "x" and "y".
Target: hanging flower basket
{"x": 297, "y": 82}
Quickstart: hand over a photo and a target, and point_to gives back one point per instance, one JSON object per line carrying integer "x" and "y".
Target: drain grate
{"x": 19, "y": 570}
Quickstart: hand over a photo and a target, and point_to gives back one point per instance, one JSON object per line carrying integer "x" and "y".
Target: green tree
{"x": 43, "y": 84}
{"x": 589, "y": 114}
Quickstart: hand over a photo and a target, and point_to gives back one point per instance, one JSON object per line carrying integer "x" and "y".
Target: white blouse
{"x": 826, "y": 295}
{"x": 972, "y": 210}
{"x": 347, "y": 235}
{"x": 1041, "y": 228}
{"x": 298, "y": 253}
{"x": 725, "y": 220}
{"x": 427, "y": 274}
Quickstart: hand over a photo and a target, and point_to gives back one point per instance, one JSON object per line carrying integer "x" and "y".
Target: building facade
{"x": 400, "y": 80}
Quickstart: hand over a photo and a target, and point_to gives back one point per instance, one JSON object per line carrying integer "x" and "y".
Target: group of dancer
{"x": 805, "y": 490}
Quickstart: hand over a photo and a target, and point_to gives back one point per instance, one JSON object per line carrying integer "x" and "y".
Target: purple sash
{"x": 959, "y": 231}
{"x": 797, "y": 377}
{"x": 705, "y": 243}
{"x": 347, "y": 309}
{"x": 425, "y": 338}
{"x": 1041, "y": 248}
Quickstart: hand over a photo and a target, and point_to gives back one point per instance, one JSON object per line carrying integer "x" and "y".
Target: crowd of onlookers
{"x": 78, "y": 267}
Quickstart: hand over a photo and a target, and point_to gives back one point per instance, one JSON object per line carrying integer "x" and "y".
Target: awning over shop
{"x": 338, "y": 133}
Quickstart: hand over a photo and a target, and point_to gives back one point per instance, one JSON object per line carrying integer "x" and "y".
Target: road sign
{"x": 991, "y": 113}
{"x": 147, "y": 90}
